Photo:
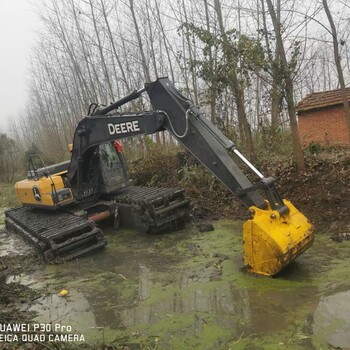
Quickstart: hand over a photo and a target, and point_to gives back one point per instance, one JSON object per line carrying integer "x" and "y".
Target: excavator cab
{"x": 112, "y": 167}
{"x": 104, "y": 172}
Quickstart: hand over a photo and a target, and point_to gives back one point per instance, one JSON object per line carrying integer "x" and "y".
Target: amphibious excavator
{"x": 61, "y": 203}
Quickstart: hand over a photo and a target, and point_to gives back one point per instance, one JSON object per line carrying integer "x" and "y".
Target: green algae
{"x": 187, "y": 290}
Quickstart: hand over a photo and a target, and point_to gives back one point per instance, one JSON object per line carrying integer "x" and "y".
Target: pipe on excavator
{"x": 132, "y": 96}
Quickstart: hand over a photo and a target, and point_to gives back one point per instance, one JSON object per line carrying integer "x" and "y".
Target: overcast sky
{"x": 18, "y": 32}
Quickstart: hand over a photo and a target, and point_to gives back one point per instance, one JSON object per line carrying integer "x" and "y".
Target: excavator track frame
{"x": 151, "y": 209}
{"x": 69, "y": 233}
{"x": 57, "y": 235}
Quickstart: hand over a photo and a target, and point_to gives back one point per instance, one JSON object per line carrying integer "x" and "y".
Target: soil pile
{"x": 321, "y": 192}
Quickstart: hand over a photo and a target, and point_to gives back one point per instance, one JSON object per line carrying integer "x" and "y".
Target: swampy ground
{"x": 186, "y": 289}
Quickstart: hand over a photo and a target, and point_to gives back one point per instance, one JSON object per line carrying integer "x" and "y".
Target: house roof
{"x": 321, "y": 99}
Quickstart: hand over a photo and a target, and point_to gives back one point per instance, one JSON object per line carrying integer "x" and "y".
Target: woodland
{"x": 245, "y": 63}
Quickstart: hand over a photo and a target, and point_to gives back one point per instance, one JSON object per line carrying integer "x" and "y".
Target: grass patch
{"x": 8, "y": 196}
{"x": 8, "y": 199}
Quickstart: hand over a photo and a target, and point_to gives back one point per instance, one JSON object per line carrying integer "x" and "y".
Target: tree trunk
{"x": 110, "y": 94}
{"x": 69, "y": 47}
{"x": 339, "y": 67}
{"x": 213, "y": 86}
{"x": 276, "y": 94}
{"x": 83, "y": 45}
{"x": 166, "y": 46}
{"x": 151, "y": 40}
{"x": 191, "y": 55}
{"x": 236, "y": 86}
{"x": 289, "y": 89}
{"x": 139, "y": 40}
{"x": 143, "y": 56}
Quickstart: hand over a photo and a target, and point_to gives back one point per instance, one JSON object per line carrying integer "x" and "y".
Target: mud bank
{"x": 321, "y": 191}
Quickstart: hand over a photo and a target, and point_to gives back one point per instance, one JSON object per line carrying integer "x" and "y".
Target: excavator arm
{"x": 208, "y": 144}
{"x": 183, "y": 120}
{"x": 277, "y": 232}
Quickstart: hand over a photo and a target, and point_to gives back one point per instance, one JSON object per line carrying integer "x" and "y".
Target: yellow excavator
{"x": 61, "y": 203}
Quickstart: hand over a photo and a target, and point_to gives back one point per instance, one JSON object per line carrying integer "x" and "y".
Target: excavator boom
{"x": 277, "y": 232}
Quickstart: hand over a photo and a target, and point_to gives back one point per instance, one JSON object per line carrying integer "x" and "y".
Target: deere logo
{"x": 123, "y": 128}
{"x": 36, "y": 193}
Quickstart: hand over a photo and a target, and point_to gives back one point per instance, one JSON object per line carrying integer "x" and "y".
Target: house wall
{"x": 325, "y": 126}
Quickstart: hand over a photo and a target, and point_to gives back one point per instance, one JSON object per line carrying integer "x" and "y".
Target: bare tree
{"x": 237, "y": 88}
{"x": 87, "y": 53}
{"x": 337, "y": 59}
{"x": 276, "y": 94}
{"x": 100, "y": 50}
{"x": 145, "y": 65}
{"x": 288, "y": 87}
{"x": 213, "y": 88}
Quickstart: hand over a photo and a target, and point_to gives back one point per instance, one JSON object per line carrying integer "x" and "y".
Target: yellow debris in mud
{"x": 63, "y": 293}
{"x": 272, "y": 241}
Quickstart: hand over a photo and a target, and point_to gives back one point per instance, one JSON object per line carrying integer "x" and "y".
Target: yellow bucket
{"x": 272, "y": 241}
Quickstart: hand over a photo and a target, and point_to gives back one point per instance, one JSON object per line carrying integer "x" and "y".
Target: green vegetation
{"x": 177, "y": 167}
{"x": 8, "y": 197}
{"x": 186, "y": 291}
{"x": 34, "y": 152}
{"x": 158, "y": 166}
{"x": 8, "y": 155}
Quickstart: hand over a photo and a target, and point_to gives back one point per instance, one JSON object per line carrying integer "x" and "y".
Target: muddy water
{"x": 186, "y": 291}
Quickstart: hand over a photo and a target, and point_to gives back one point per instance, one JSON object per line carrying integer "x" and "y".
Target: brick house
{"x": 321, "y": 119}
